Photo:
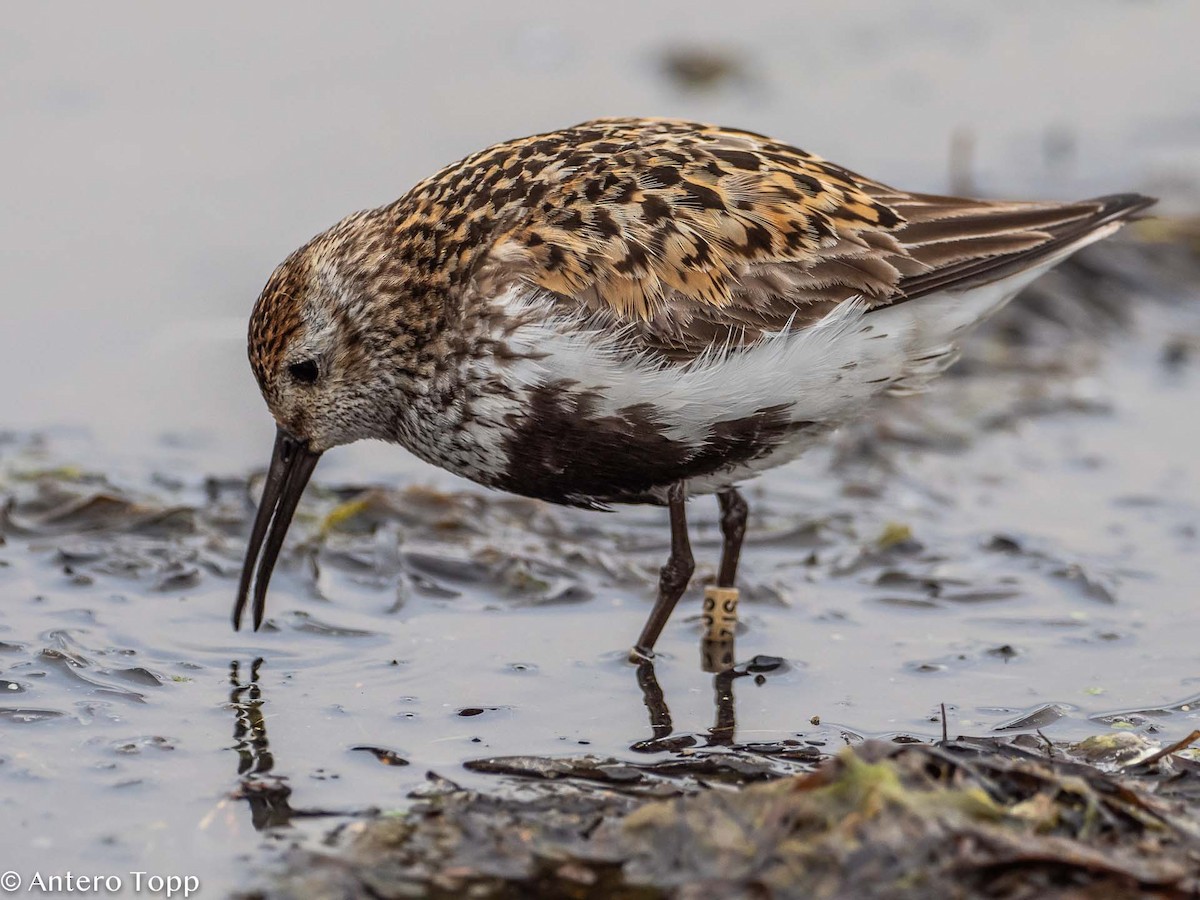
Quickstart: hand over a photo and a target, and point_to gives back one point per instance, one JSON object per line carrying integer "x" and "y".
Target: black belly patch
{"x": 562, "y": 449}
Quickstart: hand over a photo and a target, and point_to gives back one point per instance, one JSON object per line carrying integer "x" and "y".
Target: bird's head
{"x": 334, "y": 343}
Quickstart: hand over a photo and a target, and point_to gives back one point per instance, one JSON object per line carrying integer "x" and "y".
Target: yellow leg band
{"x": 720, "y": 613}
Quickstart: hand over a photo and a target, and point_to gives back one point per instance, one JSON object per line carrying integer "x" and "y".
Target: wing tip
{"x": 1099, "y": 218}
{"x": 1122, "y": 207}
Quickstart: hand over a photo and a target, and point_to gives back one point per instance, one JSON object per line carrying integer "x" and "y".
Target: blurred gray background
{"x": 160, "y": 159}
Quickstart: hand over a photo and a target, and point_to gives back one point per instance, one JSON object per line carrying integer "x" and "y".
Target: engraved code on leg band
{"x": 720, "y": 613}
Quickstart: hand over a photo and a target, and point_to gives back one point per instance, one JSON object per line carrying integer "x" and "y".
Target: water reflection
{"x": 249, "y": 727}
{"x": 268, "y": 792}
{"x": 716, "y": 657}
{"x": 267, "y": 796}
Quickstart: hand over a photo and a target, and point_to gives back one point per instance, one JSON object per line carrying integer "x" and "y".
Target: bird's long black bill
{"x": 292, "y": 464}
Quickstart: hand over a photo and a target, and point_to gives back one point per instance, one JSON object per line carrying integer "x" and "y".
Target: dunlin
{"x": 629, "y": 311}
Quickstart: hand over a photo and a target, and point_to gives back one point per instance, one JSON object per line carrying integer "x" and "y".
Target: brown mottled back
{"x": 692, "y": 234}
{"x": 636, "y": 211}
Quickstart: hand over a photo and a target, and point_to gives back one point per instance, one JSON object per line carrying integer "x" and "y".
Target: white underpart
{"x": 827, "y": 373}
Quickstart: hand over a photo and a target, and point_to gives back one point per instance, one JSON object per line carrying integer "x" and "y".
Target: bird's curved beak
{"x": 292, "y": 463}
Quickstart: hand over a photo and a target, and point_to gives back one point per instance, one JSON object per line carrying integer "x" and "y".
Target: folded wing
{"x": 686, "y": 235}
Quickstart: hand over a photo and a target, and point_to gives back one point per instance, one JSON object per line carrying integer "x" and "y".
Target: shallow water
{"x": 1017, "y": 544}
{"x": 1050, "y": 488}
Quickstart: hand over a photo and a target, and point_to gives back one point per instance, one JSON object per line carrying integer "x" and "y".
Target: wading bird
{"x": 629, "y": 311}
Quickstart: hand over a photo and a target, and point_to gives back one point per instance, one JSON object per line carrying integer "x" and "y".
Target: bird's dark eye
{"x": 305, "y": 371}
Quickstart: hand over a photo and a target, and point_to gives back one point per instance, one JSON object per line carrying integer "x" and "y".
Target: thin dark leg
{"x": 733, "y": 527}
{"x": 675, "y": 574}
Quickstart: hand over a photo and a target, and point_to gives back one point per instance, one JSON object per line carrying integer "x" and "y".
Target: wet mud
{"x": 990, "y": 817}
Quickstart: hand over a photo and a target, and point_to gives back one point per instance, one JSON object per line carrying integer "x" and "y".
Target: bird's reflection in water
{"x": 265, "y": 790}
{"x": 249, "y": 729}
{"x": 267, "y": 794}
{"x": 716, "y": 657}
